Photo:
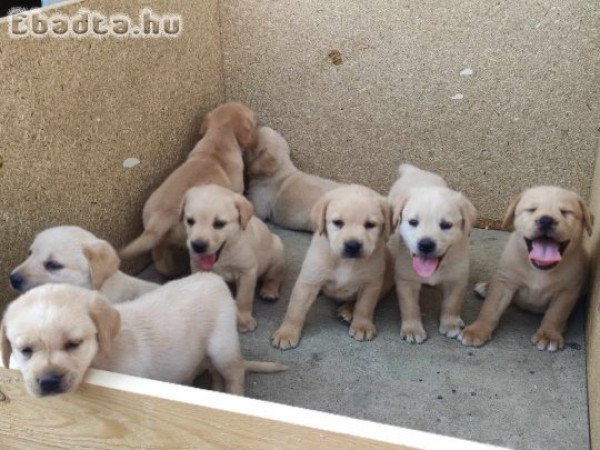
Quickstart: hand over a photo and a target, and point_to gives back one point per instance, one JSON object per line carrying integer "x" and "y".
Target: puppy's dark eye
{"x": 566, "y": 212}
{"x": 338, "y": 223}
{"x": 29, "y": 253}
{"x": 27, "y": 352}
{"x": 369, "y": 225}
{"x": 218, "y": 224}
{"x": 72, "y": 345}
{"x": 413, "y": 222}
{"x": 445, "y": 225}
{"x": 190, "y": 221}
{"x": 531, "y": 210}
{"x": 53, "y": 266}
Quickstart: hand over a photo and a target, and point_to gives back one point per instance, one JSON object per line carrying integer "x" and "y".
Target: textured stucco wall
{"x": 74, "y": 110}
{"x": 529, "y": 113}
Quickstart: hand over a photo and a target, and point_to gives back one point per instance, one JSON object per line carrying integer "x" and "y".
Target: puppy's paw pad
{"x": 363, "y": 331}
{"x": 345, "y": 313}
{"x": 285, "y": 338}
{"x": 246, "y": 323}
{"x": 451, "y": 327}
{"x": 548, "y": 340}
{"x": 473, "y": 336}
{"x": 413, "y": 333}
{"x": 480, "y": 289}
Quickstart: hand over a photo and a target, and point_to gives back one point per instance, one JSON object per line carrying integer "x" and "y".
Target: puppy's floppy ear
{"x": 6, "y": 346}
{"x": 245, "y": 209}
{"x": 318, "y": 214}
{"x": 398, "y": 204}
{"x": 107, "y": 320}
{"x": 247, "y": 134}
{"x": 182, "y": 208}
{"x": 588, "y": 217}
{"x": 468, "y": 213}
{"x": 509, "y": 216}
{"x": 386, "y": 210}
{"x": 104, "y": 261}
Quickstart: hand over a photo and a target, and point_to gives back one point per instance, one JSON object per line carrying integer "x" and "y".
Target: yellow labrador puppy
{"x": 279, "y": 191}
{"x": 224, "y": 236}
{"x": 431, "y": 247}
{"x": 57, "y": 331}
{"x": 543, "y": 266}
{"x": 347, "y": 260}
{"x": 72, "y": 255}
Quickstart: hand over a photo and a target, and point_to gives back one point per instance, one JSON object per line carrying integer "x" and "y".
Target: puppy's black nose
{"x": 16, "y": 281}
{"x": 199, "y": 246}
{"x": 546, "y": 223}
{"x": 352, "y": 248}
{"x": 426, "y": 246}
{"x": 50, "y": 383}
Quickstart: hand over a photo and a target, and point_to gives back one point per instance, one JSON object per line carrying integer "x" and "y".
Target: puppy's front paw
{"x": 246, "y": 322}
{"x": 550, "y": 340}
{"x": 451, "y": 326}
{"x": 475, "y": 335}
{"x": 412, "y": 332}
{"x": 286, "y": 337}
{"x": 362, "y": 330}
{"x": 346, "y": 312}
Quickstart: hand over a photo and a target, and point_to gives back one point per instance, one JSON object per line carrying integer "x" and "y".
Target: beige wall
{"x": 529, "y": 113}
{"x": 74, "y": 110}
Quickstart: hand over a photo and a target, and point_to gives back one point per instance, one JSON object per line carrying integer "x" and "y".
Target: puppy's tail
{"x": 146, "y": 241}
{"x": 264, "y": 367}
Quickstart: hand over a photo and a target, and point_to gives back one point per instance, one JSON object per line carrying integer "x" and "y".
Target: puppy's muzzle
{"x": 546, "y": 223}
{"x": 353, "y": 248}
{"x": 51, "y": 383}
{"x": 16, "y": 281}
{"x": 199, "y": 246}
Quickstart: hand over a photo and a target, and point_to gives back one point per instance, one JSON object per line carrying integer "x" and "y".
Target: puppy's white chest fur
{"x": 345, "y": 281}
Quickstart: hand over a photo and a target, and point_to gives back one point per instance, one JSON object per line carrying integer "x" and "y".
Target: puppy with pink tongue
{"x": 543, "y": 266}
{"x": 223, "y": 236}
{"x": 431, "y": 247}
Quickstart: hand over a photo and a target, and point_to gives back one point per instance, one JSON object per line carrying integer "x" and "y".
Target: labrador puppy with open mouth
{"x": 58, "y": 331}
{"x": 72, "y": 255}
{"x": 543, "y": 267}
{"x": 226, "y": 131}
{"x": 347, "y": 260}
{"x": 223, "y": 236}
{"x": 278, "y": 190}
{"x": 431, "y": 247}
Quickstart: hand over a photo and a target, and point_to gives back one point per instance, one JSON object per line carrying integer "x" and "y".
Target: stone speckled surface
{"x": 528, "y": 114}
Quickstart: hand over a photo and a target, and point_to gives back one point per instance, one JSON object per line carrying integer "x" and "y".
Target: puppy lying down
{"x": 347, "y": 260}
{"x": 72, "y": 255}
{"x": 57, "y": 331}
{"x": 431, "y": 247}
{"x": 224, "y": 237}
{"x": 543, "y": 266}
{"x": 279, "y": 191}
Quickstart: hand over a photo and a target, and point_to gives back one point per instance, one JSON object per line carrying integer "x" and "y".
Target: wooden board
{"x": 118, "y": 411}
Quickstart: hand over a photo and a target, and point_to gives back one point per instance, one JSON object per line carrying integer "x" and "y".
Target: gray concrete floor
{"x": 505, "y": 393}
